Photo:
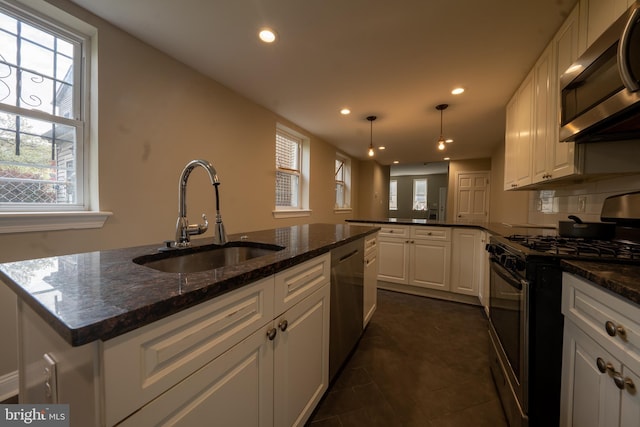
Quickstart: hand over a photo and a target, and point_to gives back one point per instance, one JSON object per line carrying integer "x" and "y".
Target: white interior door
{"x": 472, "y": 196}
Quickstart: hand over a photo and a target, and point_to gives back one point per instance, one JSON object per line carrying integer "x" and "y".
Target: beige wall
{"x": 505, "y": 206}
{"x": 156, "y": 114}
{"x": 373, "y": 191}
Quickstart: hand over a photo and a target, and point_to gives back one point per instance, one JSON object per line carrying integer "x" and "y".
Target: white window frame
{"x": 303, "y": 173}
{"x": 393, "y": 183}
{"x": 414, "y": 200}
{"x": 345, "y": 183}
{"x": 86, "y": 214}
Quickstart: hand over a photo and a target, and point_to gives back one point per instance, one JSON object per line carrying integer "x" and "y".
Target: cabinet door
{"x": 236, "y": 389}
{"x": 466, "y": 261}
{"x": 524, "y": 125}
{"x": 630, "y": 404}
{"x": 543, "y": 133}
{"x": 301, "y": 370}
{"x": 393, "y": 260}
{"x": 370, "y": 285}
{"x": 600, "y": 14}
{"x": 510, "y": 142}
{"x": 589, "y": 397}
{"x": 430, "y": 262}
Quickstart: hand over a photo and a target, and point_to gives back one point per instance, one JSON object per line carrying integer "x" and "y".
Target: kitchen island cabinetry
{"x": 393, "y": 253}
{"x": 430, "y": 257}
{"x": 265, "y": 344}
{"x": 601, "y": 357}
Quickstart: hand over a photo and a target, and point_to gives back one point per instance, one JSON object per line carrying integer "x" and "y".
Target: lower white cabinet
{"x": 467, "y": 261}
{"x": 370, "y": 291}
{"x": 430, "y": 263}
{"x": 601, "y": 361}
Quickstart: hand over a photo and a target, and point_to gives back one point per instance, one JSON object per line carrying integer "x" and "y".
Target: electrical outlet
{"x": 582, "y": 203}
{"x": 50, "y": 379}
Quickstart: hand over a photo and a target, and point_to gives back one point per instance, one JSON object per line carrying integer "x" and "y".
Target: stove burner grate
{"x": 579, "y": 247}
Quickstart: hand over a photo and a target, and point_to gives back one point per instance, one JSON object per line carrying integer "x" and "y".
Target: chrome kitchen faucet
{"x": 184, "y": 230}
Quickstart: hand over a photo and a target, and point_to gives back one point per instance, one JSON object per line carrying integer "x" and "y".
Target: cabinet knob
{"x": 271, "y": 334}
{"x": 283, "y": 325}
{"x": 613, "y": 329}
{"x": 604, "y": 366}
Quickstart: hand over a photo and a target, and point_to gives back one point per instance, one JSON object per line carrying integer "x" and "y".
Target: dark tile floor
{"x": 421, "y": 362}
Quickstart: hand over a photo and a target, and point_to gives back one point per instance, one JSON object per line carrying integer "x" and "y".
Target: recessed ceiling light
{"x": 267, "y": 35}
{"x": 448, "y": 141}
{"x": 395, "y": 162}
{"x": 457, "y": 91}
{"x": 382, "y": 147}
{"x": 345, "y": 111}
{"x": 447, "y": 158}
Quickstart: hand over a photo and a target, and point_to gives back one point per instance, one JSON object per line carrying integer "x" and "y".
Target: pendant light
{"x": 441, "y": 141}
{"x": 371, "y": 152}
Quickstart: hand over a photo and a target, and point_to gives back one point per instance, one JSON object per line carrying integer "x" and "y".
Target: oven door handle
{"x": 508, "y": 277}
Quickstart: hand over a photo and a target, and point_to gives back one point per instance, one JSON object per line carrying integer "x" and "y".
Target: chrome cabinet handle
{"x": 613, "y": 329}
{"x": 271, "y": 334}
{"x": 283, "y": 325}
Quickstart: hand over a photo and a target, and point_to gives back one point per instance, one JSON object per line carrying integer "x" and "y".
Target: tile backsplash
{"x": 585, "y": 199}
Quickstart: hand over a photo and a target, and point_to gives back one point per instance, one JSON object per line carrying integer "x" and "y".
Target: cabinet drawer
{"x": 387, "y": 230}
{"x": 596, "y": 310}
{"x": 295, "y": 283}
{"x": 431, "y": 233}
{"x": 370, "y": 244}
{"x": 142, "y": 364}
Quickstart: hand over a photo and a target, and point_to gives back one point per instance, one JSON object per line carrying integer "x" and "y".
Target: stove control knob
{"x": 510, "y": 262}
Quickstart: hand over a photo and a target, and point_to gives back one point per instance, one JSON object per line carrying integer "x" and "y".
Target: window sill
{"x": 342, "y": 210}
{"x": 20, "y": 222}
{"x": 293, "y": 213}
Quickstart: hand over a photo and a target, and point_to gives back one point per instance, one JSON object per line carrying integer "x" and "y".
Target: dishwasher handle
{"x": 347, "y": 256}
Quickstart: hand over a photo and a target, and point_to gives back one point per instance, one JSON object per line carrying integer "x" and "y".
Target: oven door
{"x": 508, "y": 315}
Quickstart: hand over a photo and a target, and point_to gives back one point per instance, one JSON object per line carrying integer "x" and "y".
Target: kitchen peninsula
{"x": 133, "y": 346}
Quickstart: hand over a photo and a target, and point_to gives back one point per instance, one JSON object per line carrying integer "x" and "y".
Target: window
{"x": 343, "y": 182}
{"x": 42, "y": 115}
{"x": 419, "y": 194}
{"x": 292, "y": 173}
{"x": 393, "y": 195}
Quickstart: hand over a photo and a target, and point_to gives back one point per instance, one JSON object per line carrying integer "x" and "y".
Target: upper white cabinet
{"x": 519, "y": 136}
{"x": 598, "y": 15}
{"x": 533, "y": 151}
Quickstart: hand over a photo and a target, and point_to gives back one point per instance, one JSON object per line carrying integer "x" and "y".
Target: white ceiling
{"x": 393, "y": 59}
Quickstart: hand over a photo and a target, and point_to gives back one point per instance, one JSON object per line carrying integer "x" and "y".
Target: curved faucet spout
{"x": 183, "y": 229}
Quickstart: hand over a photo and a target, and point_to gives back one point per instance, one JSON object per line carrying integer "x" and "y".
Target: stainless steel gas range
{"x": 526, "y": 323}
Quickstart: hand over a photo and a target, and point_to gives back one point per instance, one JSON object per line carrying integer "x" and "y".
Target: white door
{"x": 472, "y": 196}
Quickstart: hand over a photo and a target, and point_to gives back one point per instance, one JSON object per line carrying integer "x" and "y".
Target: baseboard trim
{"x": 430, "y": 293}
{"x": 9, "y": 385}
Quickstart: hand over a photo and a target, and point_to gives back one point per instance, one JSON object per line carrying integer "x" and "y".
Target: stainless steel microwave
{"x": 600, "y": 92}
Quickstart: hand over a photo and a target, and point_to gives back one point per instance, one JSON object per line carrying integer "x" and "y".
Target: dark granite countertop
{"x": 621, "y": 279}
{"x": 501, "y": 229}
{"x": 100, "y": 295}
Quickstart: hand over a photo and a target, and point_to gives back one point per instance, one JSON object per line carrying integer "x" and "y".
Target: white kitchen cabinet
{"x": 430, "y": 257}
{"x": 393, "y": 253}
{"x": 598, "y": 15}
{"x": 301, "y": 359}
{"x": 601, "y": 357}
{"x": 519, "y": 135}
{"x": 370, "y": 291}
{"x": 484, "y": 290}
{"x": 467, "y": 260}
{"x": 212, "y": 394}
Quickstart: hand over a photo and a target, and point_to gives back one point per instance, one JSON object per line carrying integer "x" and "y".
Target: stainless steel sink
{"x": 208, "y": 257}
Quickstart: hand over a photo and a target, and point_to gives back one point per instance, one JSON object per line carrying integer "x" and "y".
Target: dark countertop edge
{"x": 117, "y": 325}
{"x": 621, "y": 279}
{"x": 499, "y": 229}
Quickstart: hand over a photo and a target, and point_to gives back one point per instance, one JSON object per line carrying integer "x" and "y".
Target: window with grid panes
{"x": 342, "y": 174}
{"x": 393, "y": 195}
{"x": 41, "y": 114}
{"x": 288, "y": 170}
{"x": 419, "y": 194}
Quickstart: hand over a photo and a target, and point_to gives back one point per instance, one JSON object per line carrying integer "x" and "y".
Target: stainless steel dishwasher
{"x": 347, "y": 278}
